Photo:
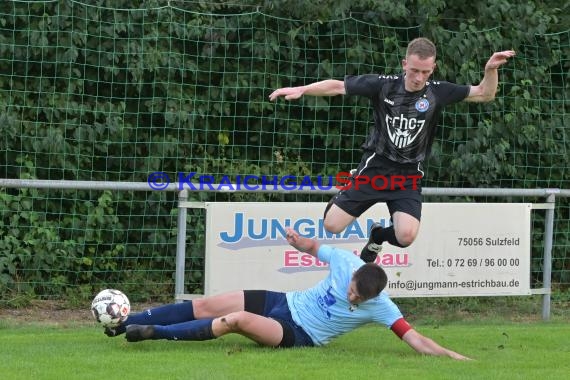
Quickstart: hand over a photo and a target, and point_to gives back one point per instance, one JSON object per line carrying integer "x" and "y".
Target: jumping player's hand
{"x": 498, "y": 59}
{"x": 301, "y": 243}
{"x": 289, "y": 93}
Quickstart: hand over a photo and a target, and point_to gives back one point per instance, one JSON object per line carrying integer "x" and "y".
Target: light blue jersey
{"x": 324, "y": 312}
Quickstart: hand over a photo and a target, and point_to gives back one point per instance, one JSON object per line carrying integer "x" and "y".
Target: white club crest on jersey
{"x": 403, "y": 131}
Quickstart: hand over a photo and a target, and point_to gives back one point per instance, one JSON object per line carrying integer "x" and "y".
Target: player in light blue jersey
{"x": 349, "y": 297}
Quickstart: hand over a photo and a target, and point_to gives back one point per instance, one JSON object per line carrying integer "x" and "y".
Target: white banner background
{"x": 462, "y": 249}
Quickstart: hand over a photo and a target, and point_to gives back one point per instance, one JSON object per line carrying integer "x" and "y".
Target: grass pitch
{"x": 535, "y": 350}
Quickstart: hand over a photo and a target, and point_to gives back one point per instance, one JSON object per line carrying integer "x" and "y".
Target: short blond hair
{"x": 422, "y": 47}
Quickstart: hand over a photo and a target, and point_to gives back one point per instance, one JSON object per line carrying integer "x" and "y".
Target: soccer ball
{"x": 110, "y": 307}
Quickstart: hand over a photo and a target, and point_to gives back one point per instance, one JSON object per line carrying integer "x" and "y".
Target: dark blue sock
{"x": 200, "y": 329}
{"x": 162, "y": 315}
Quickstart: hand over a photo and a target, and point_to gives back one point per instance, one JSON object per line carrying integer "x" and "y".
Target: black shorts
{"x": 274, "y": 305}
{"x": 380, "y": 180}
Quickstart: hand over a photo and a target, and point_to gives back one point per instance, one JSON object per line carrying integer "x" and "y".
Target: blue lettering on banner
{"x": 247, "y": 182}
{"x": 227, "y": 183}
{"x": 274, "y": 229}
{"x": 185, "y": 180}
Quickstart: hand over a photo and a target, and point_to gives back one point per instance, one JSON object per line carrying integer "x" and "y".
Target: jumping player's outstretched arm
{"x": 328, "y": 87}
{"x": 303, "y": 244}
{"x": 427, "y": 346}
{"x": 485, "y": 91}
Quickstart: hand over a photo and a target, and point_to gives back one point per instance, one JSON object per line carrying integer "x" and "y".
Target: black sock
{"x": 388, "y": 234}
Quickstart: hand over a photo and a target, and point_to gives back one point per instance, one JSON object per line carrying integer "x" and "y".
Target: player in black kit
{"x": 407, "y": 108}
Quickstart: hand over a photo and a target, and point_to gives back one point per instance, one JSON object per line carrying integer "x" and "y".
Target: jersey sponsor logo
{"x": 327, "y": 301}
{"x": 388, "y": 77}
{"x": 422, "y": 105}
{"x": 402, "y": 130}
{"x": 390, "y": 102}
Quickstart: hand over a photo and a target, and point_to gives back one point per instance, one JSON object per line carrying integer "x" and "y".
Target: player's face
{"x": 353, "y": 296}
{"x": 417, "y": 71}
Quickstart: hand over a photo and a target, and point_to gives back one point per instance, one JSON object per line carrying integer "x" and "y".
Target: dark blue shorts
{"x": 274, "y": 305}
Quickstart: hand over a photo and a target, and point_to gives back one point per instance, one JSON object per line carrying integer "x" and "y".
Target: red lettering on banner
{"x": 393, "y": 259}
{"x": 300, "y": 259}
{"x": 384, "y": 180}
{"x": 398, "y": 179}
{"x": 296, "y": 259}
{"x": 415, "y": 179}
{"x": 378, "y": 182}
{"x": 343, "y": 177}
{"x": 360, "y": 180}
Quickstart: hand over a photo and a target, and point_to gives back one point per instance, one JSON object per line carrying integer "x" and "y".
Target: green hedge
{"x": 116, "y": 90}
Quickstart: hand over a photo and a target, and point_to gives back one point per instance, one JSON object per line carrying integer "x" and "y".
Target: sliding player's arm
{"x": 303, "y": 244}
{"x": 427, "y": 346}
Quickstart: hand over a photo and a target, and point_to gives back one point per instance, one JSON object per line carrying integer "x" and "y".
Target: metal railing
{"x": 549, "y": 195}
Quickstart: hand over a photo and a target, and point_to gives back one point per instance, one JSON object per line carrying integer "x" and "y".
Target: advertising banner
{"x": 462, "y": 249}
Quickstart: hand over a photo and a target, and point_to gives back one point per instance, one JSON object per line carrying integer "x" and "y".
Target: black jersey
{"x": 404, "y": 122}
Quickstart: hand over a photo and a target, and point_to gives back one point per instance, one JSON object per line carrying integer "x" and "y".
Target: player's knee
{"x": 233, "y": 321}
{"x": 406, "y": 237}
{"x": 329, "y": 221}
{"x": 203, "y": 307}
{"x": 332, "y": 227}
